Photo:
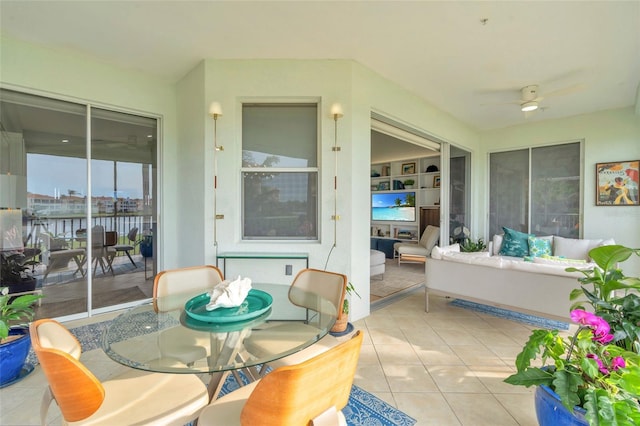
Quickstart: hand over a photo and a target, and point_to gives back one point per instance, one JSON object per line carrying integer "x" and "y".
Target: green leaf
{"x": 530, "y": 377}
{"x": 630, "y": 381}
{"x": 607, "y": 257}
{"x": 566, "y": 384}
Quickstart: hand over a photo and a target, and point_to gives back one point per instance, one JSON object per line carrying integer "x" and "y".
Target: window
{"x": 537, "y": 190}
{"x": 280, "y": 171}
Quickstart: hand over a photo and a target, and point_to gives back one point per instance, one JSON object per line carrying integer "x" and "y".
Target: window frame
{"x": 530, "y": 209}
{"x": 314, "y": 102}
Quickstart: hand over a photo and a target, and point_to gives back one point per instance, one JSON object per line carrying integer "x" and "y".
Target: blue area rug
{"x": 536, "y": 321}
{"x": 363, "y": 408}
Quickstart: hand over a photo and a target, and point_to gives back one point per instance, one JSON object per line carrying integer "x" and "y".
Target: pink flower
{"x": 601, "y": 366}
{"x": 603, "y": 339}
{"x": 599, "y": 326}
{"x": 618, "y": 362}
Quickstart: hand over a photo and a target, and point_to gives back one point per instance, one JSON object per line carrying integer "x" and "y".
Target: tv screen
{"x": 393, "y": 206}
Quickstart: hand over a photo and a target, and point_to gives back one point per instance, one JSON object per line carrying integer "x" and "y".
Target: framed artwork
{"x": 408, "y": 168}
{"x": 617, "y": 183}
{"x": 436, "y": 181}
{"x": 383, "y": 186}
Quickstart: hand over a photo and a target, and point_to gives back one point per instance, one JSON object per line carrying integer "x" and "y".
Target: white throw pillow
{"x": 497, "y": 243}
{"x": 438, "y": 252}
{"x": 572, "y": 248}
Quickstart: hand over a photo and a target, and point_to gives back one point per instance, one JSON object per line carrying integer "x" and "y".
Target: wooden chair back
{"x": 77, "y": 391}
{"x": 294, "y": 395}
{"x": 183, "y": 282}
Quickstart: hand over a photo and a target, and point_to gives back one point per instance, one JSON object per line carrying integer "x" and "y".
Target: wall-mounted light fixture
{"x": 336, "y": 113}
{"x": 215, "y": 111}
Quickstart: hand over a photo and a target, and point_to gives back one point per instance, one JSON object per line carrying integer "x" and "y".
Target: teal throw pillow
{"x": 539, "y": 246}
{"x": 515, "y": 243}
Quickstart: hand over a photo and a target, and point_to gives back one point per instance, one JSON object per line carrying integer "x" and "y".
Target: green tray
{"x": 256, "y": 303}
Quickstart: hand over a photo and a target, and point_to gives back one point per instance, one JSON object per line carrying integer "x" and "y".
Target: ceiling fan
{"x": 530, "y": 97}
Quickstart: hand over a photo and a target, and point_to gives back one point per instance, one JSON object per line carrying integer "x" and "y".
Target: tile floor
{"x": 442, "y": 368}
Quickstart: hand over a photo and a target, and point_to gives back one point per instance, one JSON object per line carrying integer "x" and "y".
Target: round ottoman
{"x": 376, "y": 264}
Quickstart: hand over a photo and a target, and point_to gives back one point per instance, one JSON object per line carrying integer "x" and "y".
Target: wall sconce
{"x": 215, "y": 111}
{"x": 336, "y": 113}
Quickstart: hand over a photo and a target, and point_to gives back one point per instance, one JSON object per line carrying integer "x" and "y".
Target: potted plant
{"x": 14, "y": 272}
{"x": 342, "y": 321}
{"x": 473, "y": 246}
{"x": 409, "y": 183}
{"x": 15, "y": 314}
{"x": 595, "y": 373}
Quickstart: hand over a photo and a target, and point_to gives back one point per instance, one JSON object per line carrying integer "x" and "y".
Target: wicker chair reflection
{"x": 58, "y": 260}
{"x": 126, "y": 248}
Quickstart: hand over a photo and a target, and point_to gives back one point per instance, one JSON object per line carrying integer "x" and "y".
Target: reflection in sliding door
{"x": 84, "y": 240}
{"x": 123, "y": 150}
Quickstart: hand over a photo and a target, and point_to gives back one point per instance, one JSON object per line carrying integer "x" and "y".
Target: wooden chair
{"x": 331, "y": 286}
{"x": 182, "y": 284}
{"x": 313, "y": 391}
{"x": 135, "y": 397}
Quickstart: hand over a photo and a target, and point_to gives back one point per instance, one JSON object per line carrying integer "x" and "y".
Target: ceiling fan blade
{"x": 566, "y": 90}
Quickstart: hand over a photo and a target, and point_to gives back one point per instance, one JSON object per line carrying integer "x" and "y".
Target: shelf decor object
{"x": 408, "y": 168}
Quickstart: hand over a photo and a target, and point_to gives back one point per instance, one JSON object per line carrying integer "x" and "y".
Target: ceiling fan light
{"x": 529, "y": 106}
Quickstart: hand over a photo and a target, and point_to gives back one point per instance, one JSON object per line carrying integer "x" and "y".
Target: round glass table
{"x": 170, "y": 335}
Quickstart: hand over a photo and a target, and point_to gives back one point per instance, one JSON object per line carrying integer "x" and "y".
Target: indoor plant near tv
{"x": 595, "y": 373}
{"x": 15, "y": 314}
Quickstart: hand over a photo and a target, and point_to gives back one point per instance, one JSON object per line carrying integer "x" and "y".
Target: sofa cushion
{"x": 515, "y": 243}
{"x": 555, "y": 260}
{"x": 438, "y": 252}
{"x": 539, "y": 246}
{"x": 573, "y": 248}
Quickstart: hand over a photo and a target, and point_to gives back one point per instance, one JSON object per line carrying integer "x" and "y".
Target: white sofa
{"x": 538, "y": 286}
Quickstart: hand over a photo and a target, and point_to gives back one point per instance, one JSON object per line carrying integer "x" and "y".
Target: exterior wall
{"x": 612, "y": 135}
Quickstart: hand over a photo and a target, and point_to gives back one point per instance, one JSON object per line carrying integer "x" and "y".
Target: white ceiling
{"x": 440, "y": 50}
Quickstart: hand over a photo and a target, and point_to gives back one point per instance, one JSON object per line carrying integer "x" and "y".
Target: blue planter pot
{"x": 13, "y": 356}
{"x": 551, "y": 412}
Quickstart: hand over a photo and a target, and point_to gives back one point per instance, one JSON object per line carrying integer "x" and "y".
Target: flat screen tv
{"x": 393, "y": 206}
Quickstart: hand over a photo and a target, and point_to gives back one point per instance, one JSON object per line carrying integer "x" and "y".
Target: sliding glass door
{"x": 83, "y": 182}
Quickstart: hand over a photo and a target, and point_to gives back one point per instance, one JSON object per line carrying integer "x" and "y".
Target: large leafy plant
{"x": 598, "y": 367}
{"x": 15, "y": 311}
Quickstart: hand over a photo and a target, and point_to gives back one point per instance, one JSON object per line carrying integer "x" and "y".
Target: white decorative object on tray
{"x": 229, "y": 294}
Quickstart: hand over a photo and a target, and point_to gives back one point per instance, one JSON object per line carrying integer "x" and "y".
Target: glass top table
{"x": 148, "y": 337}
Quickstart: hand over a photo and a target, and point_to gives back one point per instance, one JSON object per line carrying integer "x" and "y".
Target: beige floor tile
{"x": 493, "y": 378}
{"x": 457, "y": 337}
{"x": 476, "y": 355}
{"x": 368, "y": 355}
{"x": 397, "y": 354}
{"x": 386, "y": 336}
{"x": 437, "y": 355}
{"x": 479, "y": 410}
{"x": 520, "y": 406}
{"x": 409, "y": 378}
{"x": 427, "y": 408}
{"x": 456, "y": 379}
{"x": 371, "y": 378}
